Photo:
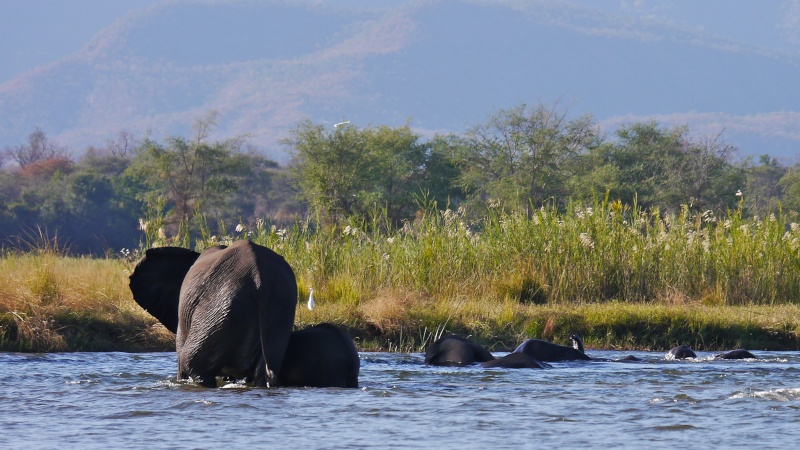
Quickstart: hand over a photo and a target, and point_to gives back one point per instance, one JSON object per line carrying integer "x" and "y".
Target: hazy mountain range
{"x": 84, "y": 70}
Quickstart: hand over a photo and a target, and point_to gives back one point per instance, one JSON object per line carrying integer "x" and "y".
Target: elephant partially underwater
{"x": 549, "y": 352}
{"x": 455, "y": 350}
{"x": 320, "y": 356}
{"x": 516, "y": 360}
{"x": 739, "y": 353}
{"x": 231, "y": 308}
{"x": 680, "y": 352}
{"x": 686, "y": 352}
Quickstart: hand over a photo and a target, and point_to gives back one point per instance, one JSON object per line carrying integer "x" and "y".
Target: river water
{"x": 114, "y": 400}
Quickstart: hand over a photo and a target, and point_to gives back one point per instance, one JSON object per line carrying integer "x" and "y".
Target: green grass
{"x": 587, "y": 255}
{"x": 622, "y": 277}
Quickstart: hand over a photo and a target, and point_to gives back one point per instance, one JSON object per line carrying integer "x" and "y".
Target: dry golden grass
{"x": 47, "y": 301}
{"x": 389, "y": 309}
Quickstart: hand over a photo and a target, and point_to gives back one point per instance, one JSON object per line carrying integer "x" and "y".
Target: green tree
{"x": 767, "y": 185}
{"x": 346, "y": 171}
{"x": 396, "y": 169}
{"x": 789, "y": 185}
{"x": 196, "y": 177}
{"x": 522, "y": 155}
{"x": 441, "y": 176}
{"x": 660, "y": 167}
{"x": 702, "y": 175}
{"x": 329, "y": 167}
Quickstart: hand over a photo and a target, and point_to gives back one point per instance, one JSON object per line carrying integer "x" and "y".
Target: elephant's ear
{"x": 156, "y": 282}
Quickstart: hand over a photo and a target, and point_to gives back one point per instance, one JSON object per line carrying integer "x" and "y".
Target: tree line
{"x": 518, "y": 160}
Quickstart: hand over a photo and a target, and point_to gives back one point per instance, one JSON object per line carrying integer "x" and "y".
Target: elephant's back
{"x": 548, "y": 351}
{"x": 217, "y": 317}
{"x": 455, "y": 350}
{"x": 323, "y": 355}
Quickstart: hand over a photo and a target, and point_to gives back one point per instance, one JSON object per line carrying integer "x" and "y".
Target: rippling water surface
{"x": 111, "y": 400}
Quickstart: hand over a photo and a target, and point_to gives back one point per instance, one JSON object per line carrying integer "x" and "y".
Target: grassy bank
{"x": 49, "y": 302}
{"x": 622, "y": 277}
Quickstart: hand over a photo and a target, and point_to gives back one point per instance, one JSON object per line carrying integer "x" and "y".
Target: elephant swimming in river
{"x": 320, "y": 356}
{"x": 231, "y": 308}
{"x": 516, "y": 360}
{"x": 455, "y": 350}
{"x": 681, "y": 352}
{"x": 739, "y": 353}
{"x": 550, "y": 352}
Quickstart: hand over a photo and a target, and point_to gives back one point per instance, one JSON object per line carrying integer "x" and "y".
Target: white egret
{"x": 336, "y": 125}
{"x": 311, "y": 299}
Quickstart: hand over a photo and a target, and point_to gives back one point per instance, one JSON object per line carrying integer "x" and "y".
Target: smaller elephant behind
{"x": 550, "y": 352}
{"x": 681, "y": 352}
{"x": 739, "y": 353}
{"x": 455, "y": 350}
{"x": 516, "y": 360}
{"x": 320, "y": 356}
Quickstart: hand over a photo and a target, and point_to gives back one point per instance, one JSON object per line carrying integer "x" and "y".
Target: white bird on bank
{"x": 311, "y": 303}
{"x": 336, "y": 125}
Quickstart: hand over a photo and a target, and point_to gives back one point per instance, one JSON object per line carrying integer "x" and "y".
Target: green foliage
{"x": 789, "y": 185}
{"x": 396, "y": 165}
{"x": 183, "y": 189}
{"x": 194, "y": 176}
{"x": 346, "y": 171}
{"x": 521, "y": 155}
{"x": 607, "y": 252}
{"x": 188, "y": 184}
{"x": 329, "y": 168}
{"x": 652, "y": 167}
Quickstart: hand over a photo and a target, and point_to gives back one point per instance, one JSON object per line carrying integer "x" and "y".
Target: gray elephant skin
{"x": 516, "y": 360}
{"x": 455, "y": 350}
{"x": 231, "y": 308}
{"x": 549, "y": 352}
{"x": 739, "y": 353}
{"x": 681, "y": 352}
{"x": 320, "y": 356}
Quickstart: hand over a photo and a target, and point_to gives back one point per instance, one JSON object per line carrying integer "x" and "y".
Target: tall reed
{"x": 607, "y": 252}
{"x": 617, "y": 273}
{"x": 482, "y": 275}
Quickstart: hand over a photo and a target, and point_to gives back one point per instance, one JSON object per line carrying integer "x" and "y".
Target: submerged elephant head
{"x": 320, "y": 356}
{"x": 516, "y": 360}
{"x": 232, "y": 308}
{"x": 550, "y": 352}
{"x": 739, "y": 353}
{"x": 455, "y": 350}
{"x": 680, "y": 352}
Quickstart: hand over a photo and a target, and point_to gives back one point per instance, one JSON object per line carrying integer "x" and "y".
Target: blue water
{"x": 113, "y": 400}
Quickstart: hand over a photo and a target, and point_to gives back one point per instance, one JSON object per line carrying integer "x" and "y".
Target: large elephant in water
{"x": 231, "y": 308}
{"x": 320, "y": 356}
{"x": 455, "y": 350}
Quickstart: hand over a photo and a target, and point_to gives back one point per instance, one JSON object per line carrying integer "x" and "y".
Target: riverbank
{"x": 57, "y": 303}
{"x": 621, "y": 277}
{"x": 603, "y": 327}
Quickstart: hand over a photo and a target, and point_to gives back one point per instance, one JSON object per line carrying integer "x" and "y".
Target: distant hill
{"x": 442, "y": 65}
